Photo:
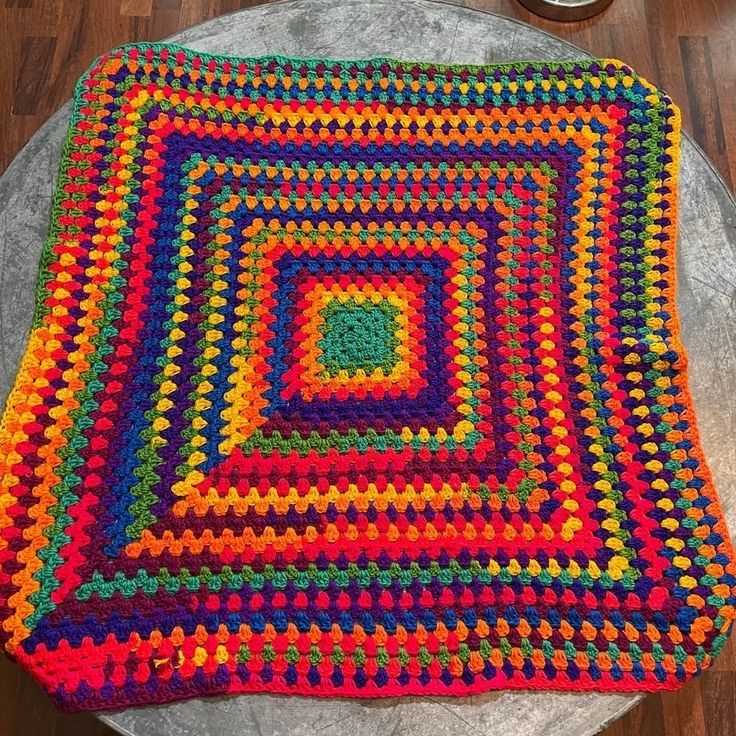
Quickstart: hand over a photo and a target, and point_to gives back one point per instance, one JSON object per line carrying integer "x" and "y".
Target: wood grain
{"x": 687, "y": 47}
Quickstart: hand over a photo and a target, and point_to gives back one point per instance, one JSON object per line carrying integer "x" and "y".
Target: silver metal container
{"x": 566, "y": 10}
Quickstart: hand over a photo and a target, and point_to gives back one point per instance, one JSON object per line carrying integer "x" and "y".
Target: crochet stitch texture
{"x": 358, "y": 378}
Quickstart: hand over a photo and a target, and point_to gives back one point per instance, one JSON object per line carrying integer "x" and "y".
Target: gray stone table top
{"x": 428, "y": 31}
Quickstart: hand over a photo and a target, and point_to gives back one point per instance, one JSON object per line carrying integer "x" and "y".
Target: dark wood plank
{"x": 136, "y": 7}
{"x": 720, "y": 704}
{"x": 705, "y": 111}
{"x": 37, "y": 53}
{"x": 646, "y": 719}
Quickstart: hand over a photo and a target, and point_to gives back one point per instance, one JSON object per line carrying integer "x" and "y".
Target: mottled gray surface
{"x": 413, "y": 29}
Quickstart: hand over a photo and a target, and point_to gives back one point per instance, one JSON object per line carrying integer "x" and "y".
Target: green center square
{"x": 359, "y": 336}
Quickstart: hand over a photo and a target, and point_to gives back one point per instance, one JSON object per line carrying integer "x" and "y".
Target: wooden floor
{"x": 688, "y": 47}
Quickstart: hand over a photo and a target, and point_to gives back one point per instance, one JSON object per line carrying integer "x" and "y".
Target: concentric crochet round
{"x": 358, "y": 378}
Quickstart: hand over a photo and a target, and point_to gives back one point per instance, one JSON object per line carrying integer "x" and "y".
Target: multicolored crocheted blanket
{"x": 359, "y": 379}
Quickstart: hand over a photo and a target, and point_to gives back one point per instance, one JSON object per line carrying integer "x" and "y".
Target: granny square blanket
{"x": 358, "y": 379}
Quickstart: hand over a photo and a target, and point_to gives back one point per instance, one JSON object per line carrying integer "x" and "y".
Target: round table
{"x": 431, "y": 31}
